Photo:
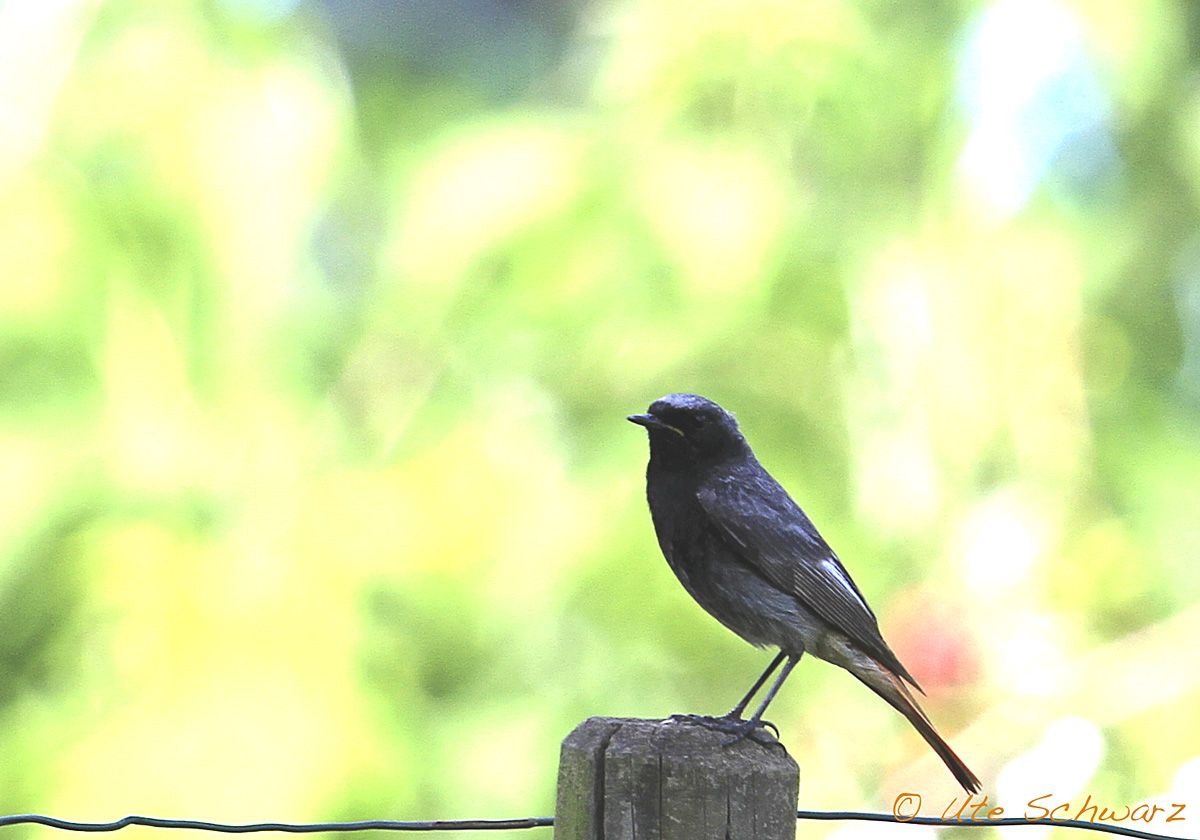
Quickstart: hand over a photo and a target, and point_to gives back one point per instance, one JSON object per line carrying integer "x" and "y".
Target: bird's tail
{"x": 892, "y": 689}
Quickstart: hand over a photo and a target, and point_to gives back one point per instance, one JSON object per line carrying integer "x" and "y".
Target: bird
{"x": 751, "y": 557}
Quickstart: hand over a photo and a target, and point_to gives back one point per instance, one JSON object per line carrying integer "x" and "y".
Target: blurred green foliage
{"x": 319, "y": 323}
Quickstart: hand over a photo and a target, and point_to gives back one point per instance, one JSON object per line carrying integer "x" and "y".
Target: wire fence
{"x": 534, "y": 822}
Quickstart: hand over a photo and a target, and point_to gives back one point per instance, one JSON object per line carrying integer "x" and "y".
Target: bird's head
{"x": 690, "y": 428}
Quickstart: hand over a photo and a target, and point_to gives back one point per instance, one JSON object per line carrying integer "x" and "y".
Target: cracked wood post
{"x": 627, "y": 779}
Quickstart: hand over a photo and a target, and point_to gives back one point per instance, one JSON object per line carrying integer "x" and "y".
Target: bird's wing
{"x": 773, "y": 535}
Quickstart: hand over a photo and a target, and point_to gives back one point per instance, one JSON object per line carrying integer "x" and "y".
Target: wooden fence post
{"x": 631, "y": 779}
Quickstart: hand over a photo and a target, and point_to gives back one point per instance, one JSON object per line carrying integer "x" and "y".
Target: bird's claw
{"x": 755, "y": 730}
{"x": 736, "y": 727}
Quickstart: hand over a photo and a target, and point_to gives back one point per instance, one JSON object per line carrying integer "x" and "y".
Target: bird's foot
{"x": 755, "y": 730}
{"x": 699, "y": 720}
{"x": 737, "y": 716}
{"x": 739, "y": 729}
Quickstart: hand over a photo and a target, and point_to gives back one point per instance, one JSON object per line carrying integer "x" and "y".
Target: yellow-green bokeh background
{"x": 319, "y": 322}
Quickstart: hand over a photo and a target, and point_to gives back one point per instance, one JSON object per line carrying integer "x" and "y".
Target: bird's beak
{"x": 652, "y": 422}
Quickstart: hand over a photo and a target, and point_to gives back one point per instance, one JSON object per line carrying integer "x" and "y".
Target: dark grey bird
{"x": 751, "y": 557}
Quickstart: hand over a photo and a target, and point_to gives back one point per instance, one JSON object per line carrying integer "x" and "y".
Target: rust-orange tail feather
{"x": 892, "y": 689}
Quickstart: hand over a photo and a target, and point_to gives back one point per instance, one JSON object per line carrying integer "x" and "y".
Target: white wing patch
{"x": 834, "y": 569}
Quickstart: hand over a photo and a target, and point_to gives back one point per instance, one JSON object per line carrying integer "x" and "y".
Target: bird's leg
{"x": 736, "y": 711}
{"x": 747, "y": 728}
{"x": 732, "y": 723}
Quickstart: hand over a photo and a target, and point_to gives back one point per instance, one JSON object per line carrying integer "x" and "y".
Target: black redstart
{"x": 751, "y": 557}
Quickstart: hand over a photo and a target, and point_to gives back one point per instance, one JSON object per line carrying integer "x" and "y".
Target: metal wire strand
{"x": 289, "y": 828}
{"x": 529, "y": 822}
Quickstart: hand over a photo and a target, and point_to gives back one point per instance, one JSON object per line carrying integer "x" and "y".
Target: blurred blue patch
{"x": 1187, "y": 300}
{"x": 1036, "y": 110}
{"x": 498, "y": 47}
{"x": 261, "y": 11}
